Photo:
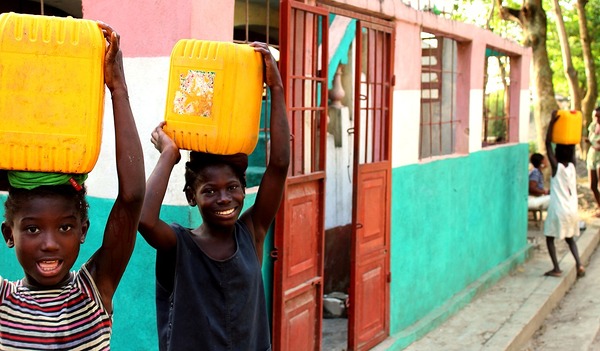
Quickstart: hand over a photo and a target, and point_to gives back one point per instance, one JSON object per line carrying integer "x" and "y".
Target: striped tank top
{"x": 68, "y": 318}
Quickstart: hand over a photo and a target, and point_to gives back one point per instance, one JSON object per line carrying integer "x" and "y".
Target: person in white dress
{"x": 562, "y": 220}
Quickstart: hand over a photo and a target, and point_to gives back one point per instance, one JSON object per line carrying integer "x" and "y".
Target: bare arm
{"x": 535, "y": 191}
{"x": 270, "y": 192}
{"x": 156, "y": 232}
{"x": 109, "y": 262}
{"x": 549, "y": 150}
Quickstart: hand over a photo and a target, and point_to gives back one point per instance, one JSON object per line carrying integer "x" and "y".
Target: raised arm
{"x": 261, "y": 215}
{"x": 156, "y": 232}
{"x": 109, "y": 262}
{"x": 549, "y": 150}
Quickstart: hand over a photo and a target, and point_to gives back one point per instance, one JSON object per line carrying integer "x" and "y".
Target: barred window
{"x": 438, "y": 95}
{"x": 258, "y": 20}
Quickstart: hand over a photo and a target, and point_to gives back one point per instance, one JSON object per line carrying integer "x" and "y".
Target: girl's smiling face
{"x": 47, "y": 233}
{"x": 219, "y": 195}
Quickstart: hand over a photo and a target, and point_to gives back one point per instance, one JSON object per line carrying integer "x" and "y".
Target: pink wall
{"x": 466, "y": 52}
{"x": 152, "y": 28}
{"x": 519, "y": 74}
{"x": 408, "y": 27}
{"x": 408, "y": 42}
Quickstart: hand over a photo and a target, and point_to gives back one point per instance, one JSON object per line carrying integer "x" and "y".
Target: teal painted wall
{"x": 453, "y": 220}
{"x": 134, "y": 321}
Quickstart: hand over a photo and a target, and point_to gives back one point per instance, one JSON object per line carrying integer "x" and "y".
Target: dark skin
{"x": 555, "y": 271}
{"x": 52, "y": 227}
{"x": 46, "y": 233}
{"x": 533, "y": 185}
{"x": 220, "y": 195}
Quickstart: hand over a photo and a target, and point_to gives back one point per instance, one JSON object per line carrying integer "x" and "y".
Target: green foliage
{"x": 532, "y": 147}
{"x": 571, "y": 20}
{"x": 494, "y": 103}
{"x": 477, "y": 12}
{"x": 494, "y": 106}
{"x": 592, "y": 10}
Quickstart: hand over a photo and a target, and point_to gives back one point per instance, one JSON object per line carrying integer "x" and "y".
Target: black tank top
{"x": 213, "y": 305}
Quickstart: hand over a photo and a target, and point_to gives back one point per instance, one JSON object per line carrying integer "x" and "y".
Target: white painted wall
{"x": 406, "y": 122}
{"x": 338, "y": 186}
{"x": 524, "y": 110}
{"x": 147, "y": 80}
{"x": 475, "y": 120}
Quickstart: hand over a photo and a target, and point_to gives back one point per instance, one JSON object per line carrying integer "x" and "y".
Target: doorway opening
{"x": 339, "y": 179}
{"x": 358, "y": 183}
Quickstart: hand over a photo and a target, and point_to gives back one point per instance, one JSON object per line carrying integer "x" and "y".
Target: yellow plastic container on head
{"x": 214, "y": 96}
{"x": 51, "y": 93}
{"x": 568, "y": 126}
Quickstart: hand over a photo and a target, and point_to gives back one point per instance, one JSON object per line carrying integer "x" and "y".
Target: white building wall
{"x": 338, "y": 187}
{"x": 524, "y": 111}
{"x": 405, "y": 127}
{"x": 147, "y": 80}
{"x": 475, "y": 120}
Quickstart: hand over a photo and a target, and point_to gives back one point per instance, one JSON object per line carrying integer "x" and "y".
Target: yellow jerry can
{"x": 214, "y": 96}
{"x": 51, "y": 93}
{"x": 567, "y": 129}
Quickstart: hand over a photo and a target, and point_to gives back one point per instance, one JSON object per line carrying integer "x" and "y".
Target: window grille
{"x": 258, "y": 20}
{"x": 438, "y": 95}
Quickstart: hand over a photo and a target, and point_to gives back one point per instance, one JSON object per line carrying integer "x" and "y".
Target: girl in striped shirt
{"x": 46, "y": 221}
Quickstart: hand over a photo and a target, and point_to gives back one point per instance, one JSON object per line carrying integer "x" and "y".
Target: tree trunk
{"x": 589, "y": 100}
{"x": 532, "y": 19}
{"x": 565, "y": 49}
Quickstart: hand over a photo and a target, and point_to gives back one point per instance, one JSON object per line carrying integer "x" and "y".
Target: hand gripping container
{"x": 51, "y": 93}
{"x": 214, "y": 96}
{"x": 567, "y": 129}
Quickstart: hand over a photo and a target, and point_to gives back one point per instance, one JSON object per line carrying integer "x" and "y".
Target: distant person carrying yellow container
{"x": 562, "y": 220}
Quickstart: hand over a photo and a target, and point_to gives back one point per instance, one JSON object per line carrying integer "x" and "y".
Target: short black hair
{"x": 18, "y": 196}
{"x": 200, "y": 160}
{"x": 564, "y": 153}
{"x": 536, "y": 159}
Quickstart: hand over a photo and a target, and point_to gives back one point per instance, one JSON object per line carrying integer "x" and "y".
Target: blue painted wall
{"x": 134, "y": 321}
{"x": 453, "y": 220}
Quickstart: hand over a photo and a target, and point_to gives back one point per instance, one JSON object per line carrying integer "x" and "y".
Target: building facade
{"x": 408, "y": 184}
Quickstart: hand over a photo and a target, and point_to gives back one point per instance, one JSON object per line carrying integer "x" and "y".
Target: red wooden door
{"x": 299, "y": 228}
{"x": 369, "y": 271}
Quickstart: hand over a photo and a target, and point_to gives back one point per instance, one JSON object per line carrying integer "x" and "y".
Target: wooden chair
{"x": 537, "y": 216}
